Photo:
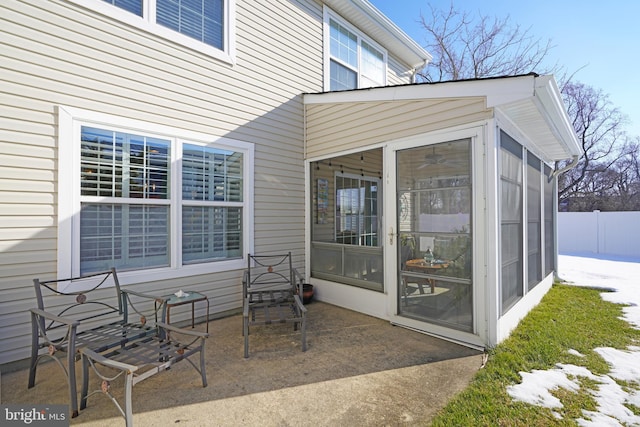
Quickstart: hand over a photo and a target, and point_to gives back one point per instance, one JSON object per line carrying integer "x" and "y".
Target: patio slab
{"x": 358, "y": 370}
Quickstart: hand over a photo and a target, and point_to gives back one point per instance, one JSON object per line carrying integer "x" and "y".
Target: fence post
{"x": 599, "y": 233}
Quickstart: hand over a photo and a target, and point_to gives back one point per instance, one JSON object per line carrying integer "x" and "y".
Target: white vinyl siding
{"x": 397, "y": 73}
{"x": 351, "y": 125}
{"x": 56, "y": 53}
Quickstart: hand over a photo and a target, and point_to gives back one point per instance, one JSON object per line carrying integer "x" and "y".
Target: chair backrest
{"x": 406, "y": 253}
{"x": 92, "y": 298}
{"x": 269, "y": 273}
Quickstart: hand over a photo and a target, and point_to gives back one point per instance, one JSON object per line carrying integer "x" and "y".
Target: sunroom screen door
{"x": 434, "y": 248}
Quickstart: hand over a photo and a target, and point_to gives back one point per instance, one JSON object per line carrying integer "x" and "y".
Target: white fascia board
{"x": 497, "y": 92}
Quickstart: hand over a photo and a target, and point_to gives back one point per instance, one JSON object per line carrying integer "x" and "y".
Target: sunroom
{"x": 433, "y": 205}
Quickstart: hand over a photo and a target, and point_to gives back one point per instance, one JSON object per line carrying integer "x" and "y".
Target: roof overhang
{"x": 376, "y": 25}
{"x": 531, "y": 102}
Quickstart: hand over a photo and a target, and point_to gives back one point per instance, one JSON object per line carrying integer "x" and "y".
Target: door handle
{"x": 391, "y": 234}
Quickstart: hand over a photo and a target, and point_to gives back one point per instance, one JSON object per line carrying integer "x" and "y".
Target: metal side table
{"x": 190, "y": 297}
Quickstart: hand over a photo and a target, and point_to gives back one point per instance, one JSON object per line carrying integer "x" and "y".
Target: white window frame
{"x": 69, "y": 159}
{"x": 148, "y": 23}
{"x": 331, "y": 15}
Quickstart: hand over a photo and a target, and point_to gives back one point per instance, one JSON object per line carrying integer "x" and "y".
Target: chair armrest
{"x": 53, "y": 317}
{"x": 299, "y": 279}
{"x": 245, "y": 283}
{"x": 245, "y": 307}
{"x": 190, "y": 332}
{"x": 107, "y": 362}
{"x": 299, "y": 303}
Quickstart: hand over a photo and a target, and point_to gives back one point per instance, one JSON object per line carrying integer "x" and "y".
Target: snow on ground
{"x": 618, "y": 273}
{"x": 621, "y": 275}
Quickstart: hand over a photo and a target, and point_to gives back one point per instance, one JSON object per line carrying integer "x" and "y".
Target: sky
{"x": 621, "y": 275}
{"x": 597, "y": 40}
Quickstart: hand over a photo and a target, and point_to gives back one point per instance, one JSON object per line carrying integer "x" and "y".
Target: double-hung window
{"x": 140, "y": 196}
{"x": 212, "y": 203}
{"x": 124, "y": 200}
{"x": 205, "y": 25}
{"x": 351, "y": 60}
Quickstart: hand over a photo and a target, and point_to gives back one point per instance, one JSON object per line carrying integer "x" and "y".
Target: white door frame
{"x": 477, "y": 132}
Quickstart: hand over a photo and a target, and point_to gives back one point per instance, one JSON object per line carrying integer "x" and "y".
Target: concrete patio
{"x": 358, "y": 370}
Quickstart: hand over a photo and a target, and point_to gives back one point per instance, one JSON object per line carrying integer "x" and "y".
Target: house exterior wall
{"x": 57, "y": 53}
{"x": 397, "y": 73}
{"x": 348, "y": 126}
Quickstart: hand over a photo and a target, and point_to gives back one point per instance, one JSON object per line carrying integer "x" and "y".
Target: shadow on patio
{"x": 358, "y": 370}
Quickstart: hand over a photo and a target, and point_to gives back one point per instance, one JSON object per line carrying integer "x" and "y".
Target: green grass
{"x": 567, "y": 318}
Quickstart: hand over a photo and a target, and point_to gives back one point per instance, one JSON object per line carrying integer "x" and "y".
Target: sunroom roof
{"x": 533, "y": 103}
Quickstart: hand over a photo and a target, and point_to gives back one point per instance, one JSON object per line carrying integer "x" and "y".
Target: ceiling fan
{"x": 433, "y": 159}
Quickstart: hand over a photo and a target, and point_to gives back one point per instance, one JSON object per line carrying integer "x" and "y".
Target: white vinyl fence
{"x": 607, "y": 233}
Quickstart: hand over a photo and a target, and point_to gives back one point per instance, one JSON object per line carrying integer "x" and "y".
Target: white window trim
{"x": 329, "y": 14}
{"x": 147, "y": 23}
{"x": 70, "y": 121}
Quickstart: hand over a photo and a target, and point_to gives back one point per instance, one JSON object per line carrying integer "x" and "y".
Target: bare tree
{"x": 465, "y": 48}
{"x": 600, "y": 130}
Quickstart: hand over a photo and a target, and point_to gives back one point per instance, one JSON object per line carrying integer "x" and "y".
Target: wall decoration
{"x": 323, "y": 200}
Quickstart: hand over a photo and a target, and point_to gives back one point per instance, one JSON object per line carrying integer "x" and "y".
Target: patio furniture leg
{"x": 34, "y": 351}
{"x": 245, "y": 332}
{"x": 71, "y": 366}
{"x": 203, "y": 371}
{"x": 304, "y": 334}
{"x": 85, "y": 382}
{"x": 128, "y": 389}
{"x": 301, "y": 314}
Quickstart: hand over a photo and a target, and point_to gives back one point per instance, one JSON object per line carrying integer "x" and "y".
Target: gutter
{"x": 415, "y": 70}
{"x": 556, "y": 172}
